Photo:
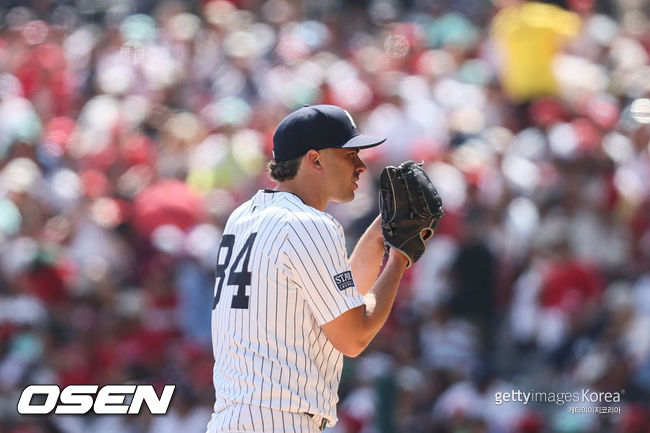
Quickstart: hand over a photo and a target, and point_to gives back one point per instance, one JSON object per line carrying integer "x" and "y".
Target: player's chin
{"x": 345, "y": 198}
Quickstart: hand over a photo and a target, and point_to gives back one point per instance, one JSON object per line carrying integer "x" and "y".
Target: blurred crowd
{"x": 129, "y": 131}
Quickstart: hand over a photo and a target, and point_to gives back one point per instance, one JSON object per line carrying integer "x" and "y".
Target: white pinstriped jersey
{"x": 282, "y": 272}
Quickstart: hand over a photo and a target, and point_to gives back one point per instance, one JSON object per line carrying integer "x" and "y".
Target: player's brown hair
{"x": 285, "y": 170}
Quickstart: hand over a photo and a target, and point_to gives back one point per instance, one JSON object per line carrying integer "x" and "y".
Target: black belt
{"x": 323, "y": 422}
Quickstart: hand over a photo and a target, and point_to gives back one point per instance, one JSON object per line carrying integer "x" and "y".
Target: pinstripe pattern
{"x": 247, "y": 418}
{"x": 273, "y": 354}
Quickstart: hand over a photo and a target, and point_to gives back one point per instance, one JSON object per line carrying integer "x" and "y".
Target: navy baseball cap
{"x": 318, "y": 127}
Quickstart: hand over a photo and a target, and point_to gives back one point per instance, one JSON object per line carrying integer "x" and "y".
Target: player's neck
{"x": 306, "y": 191}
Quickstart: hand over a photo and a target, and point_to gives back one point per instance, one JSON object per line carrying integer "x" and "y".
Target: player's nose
{"x": 359, "y": 166}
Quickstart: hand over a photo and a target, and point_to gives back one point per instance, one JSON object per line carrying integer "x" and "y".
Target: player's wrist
{"x": 398, "y": 257}
{"x": 375, "y": 230}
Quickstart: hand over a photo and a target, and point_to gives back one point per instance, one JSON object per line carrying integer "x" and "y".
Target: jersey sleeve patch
{"x": 344, "y": 280}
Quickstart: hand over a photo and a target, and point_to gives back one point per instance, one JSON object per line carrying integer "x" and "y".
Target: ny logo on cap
{"x": 351, "y": 119}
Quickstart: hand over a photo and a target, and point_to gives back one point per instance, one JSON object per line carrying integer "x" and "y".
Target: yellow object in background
{"x": 528, "y": 37}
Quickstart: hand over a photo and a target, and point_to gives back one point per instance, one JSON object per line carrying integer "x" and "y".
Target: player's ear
{"x": 313, "y": 160}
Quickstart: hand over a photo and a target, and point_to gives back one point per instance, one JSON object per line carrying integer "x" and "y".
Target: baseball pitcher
{"x": 288, "y": 302}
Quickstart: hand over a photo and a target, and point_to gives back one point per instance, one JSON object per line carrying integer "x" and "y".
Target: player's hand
{"x": 410, "y": 209}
